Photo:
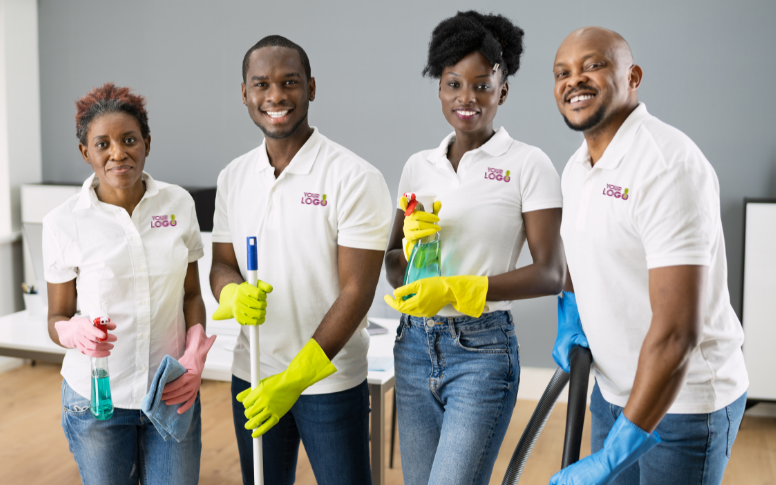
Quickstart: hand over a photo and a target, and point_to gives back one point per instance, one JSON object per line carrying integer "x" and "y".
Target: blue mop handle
{"x": 253, "y": 333}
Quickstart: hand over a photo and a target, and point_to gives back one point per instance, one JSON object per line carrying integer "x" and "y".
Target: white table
{"x": 27, "y": 337}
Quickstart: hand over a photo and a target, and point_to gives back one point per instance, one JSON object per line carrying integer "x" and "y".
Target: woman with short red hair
{"x": 126, "y": 247}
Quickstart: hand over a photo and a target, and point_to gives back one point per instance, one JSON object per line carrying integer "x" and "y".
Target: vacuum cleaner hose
{"x": 535, "y": 426}
{"x": 580, "y": 359}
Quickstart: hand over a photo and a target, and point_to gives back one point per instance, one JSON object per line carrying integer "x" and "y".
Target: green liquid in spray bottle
{"x": 101, "y": 402}
{"x": 424, "y": 260}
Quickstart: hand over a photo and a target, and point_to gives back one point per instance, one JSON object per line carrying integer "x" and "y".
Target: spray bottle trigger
{"x": 412, "y": 203}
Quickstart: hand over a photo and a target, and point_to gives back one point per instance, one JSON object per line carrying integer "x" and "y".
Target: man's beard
{"x": 280, "y": 136}
{"x": 591, "y": 122}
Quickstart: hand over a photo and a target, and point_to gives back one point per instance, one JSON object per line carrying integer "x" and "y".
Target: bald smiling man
{"x": 646, "y": 287}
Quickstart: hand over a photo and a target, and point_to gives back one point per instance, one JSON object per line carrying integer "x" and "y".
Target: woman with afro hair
{"x": 456, "y": 353}
{"x": 126, "y": 247}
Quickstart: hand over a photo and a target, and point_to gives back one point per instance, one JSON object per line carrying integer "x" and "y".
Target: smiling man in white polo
{"x": 647, "y": 273}
{"x": 321, "y": 216}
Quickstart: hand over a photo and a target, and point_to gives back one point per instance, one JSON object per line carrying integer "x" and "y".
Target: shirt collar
{"x": 302, "y": 162}
{"x": 498, "y": 144}
{"x": 88, "y": 196}
{"x": 620, "y": 144}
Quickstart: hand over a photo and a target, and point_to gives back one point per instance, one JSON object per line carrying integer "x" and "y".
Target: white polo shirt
{"x": 326, "y": 197}
{"x": 132, "y": 268}
{"x": 483, "y": 203}
{"x": 651, "y": 201}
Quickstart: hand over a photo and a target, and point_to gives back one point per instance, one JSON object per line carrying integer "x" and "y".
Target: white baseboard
{"x": 8, "y": 363}
{"x": 533, "y": 381}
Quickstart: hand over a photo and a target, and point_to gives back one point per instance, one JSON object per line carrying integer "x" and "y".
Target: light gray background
{"x": 708, "y": 70}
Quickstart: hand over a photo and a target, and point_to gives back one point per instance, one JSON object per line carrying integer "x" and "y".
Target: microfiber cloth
{"x": 165, "y": 418}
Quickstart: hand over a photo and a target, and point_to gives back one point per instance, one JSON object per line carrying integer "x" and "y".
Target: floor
{"x": 33, "y": 449}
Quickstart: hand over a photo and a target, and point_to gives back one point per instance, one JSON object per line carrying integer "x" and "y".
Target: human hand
{"x": 570, "y": 331}
{"x": 245, "y": 303}
{"x": 79, "y": 333}
{"x": 184, "y": 389}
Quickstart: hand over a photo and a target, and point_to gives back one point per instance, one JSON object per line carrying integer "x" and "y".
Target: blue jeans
{"x": 333, "y": 427}
{"x": 695, "y": 449}
{"x": 127, "y": 449}
{"x": 456, "y": 386}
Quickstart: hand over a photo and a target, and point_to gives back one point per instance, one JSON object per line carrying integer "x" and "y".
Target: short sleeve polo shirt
{"x": 483, "y": 203}
{"x": 651, "y": 201}
{"x": 326, "y": 197}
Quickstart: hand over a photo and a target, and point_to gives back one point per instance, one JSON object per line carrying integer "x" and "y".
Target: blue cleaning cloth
{"x": 165, "y": 418}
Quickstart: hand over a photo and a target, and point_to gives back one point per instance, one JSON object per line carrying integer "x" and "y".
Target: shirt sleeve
{"x": 364, "y": 213}
{"x": 539, "y": 183}
{"x": 677, "y": 214}
{"x": 221, "y": 231}
{"x": 193, "y": 238}
{"x": 55, "y": 269}
{"x": 405, "y": 184}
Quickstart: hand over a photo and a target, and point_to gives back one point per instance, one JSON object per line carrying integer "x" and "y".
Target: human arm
{"x": 193, "y": 304}
{"x": 62, "y": 305}
{"x": 545, "y": 276}
{"x": 570, "y": 331}
{"x": 184, "y": 389}
{"x": 468, "y": 293}
{"x": 395, "y": 261}
{"x": 224, "y": 269}
{"x": 358, "y": 270}
{"x": 676, "y": 296}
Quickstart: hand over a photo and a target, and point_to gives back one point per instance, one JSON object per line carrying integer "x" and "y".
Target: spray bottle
{"x": 424, "y": 260}
{"x": 102, "y": 403}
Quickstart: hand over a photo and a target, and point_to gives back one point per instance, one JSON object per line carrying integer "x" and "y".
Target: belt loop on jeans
{"x": 451, "y": 326}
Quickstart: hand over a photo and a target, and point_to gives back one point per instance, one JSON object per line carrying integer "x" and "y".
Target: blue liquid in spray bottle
{"x": 424, "y": 260}
{"x": 101, "y": 402}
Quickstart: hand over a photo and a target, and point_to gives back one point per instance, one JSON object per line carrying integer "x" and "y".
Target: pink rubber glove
{"x": 184, "y": 388}
{"x": 79, "y": 333}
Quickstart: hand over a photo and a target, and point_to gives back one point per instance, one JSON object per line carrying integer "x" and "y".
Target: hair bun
{"x": 492, "y": 35}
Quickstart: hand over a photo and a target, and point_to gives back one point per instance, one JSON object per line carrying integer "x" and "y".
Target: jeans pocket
{"x": 401, "y": 330}
{"x": 73, "y": 403}
{"x": 484, "y": 341}
{"x": 729, "y": 432}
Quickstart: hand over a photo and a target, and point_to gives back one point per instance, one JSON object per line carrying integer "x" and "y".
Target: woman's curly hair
{"x": 109, "y": 98}
{"x": 493, "y": 36}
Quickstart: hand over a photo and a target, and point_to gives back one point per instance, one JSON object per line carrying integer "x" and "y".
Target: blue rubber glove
{"x": 624, "y": 445}
{"x": 569, "y": 331}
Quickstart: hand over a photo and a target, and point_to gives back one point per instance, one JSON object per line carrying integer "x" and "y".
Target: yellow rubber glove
{"x": 266, "y": 403}
{"x": 418, "y": 225}
{"x": 466, "y": 293}
{"x": 245, "y": 303}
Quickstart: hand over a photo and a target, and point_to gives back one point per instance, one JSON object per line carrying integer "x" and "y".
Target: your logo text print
{"x": 163, "y": 221}
{"x": 616, "y": 192}
{"x": 497, "y": 174}
{"x": 310, "y": 198}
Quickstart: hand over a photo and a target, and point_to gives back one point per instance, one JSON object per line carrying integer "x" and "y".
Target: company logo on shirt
{"x": 497, "y": 174}
{"x": 163, "y": 221}
{"x": 616, "y": 192}
{"x": 314, "y": 199}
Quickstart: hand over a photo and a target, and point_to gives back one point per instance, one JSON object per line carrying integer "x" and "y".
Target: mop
{"x": 253, "y": 333}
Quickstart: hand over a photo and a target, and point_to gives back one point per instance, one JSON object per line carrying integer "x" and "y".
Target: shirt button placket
{"x": 142, "y": 292}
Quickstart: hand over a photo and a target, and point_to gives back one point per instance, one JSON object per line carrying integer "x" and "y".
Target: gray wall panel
{"x": 707, "y": 64}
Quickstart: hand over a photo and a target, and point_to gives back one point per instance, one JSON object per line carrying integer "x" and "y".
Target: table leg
{"x": 377, "y": 422}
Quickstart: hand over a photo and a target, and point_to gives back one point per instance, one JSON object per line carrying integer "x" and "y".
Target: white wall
{"x": 20, "y": 143}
